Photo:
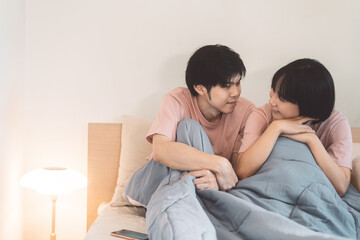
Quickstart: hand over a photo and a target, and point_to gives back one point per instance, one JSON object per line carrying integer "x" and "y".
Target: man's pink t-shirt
{"x": 225, "y": 136}
{"x": 334, "y": 133}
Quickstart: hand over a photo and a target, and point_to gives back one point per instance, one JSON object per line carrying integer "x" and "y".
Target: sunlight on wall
{"x": 92, "y": 61}
{"x": 12, "y": 41}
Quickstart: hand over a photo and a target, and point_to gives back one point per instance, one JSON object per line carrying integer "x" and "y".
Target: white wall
{"x": 92, "y": 60}
{"x": 12, "y": 42}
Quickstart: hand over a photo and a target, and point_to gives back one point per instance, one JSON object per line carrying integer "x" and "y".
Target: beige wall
{"x": 92, "y": 60}
{"x": 12, "y": 42}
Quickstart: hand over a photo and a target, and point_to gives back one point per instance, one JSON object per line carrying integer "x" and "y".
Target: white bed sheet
{"x": 115, "y": 218}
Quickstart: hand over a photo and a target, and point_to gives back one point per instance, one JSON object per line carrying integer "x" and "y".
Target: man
{"x": 212, "y": 98}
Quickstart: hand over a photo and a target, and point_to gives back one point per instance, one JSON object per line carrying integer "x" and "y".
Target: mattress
{"x": 115, "y": 218}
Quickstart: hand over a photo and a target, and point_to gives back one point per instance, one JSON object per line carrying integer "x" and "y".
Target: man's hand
{"x": 204, "y": 179}
{"x": 182, "y": 157}
{"x": 225, "y": 175}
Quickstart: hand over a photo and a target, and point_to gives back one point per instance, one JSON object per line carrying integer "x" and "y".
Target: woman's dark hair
{"x": 213, "y": 65}
{"x": 307, "y": 83}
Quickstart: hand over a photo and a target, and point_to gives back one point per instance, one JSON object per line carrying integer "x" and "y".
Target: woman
{"x": 300, "y": 107}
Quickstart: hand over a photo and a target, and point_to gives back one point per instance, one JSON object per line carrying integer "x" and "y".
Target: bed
{"x": 115, "y": 152}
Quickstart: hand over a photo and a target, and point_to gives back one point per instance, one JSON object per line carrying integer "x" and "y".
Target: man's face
{"x": 222, "y": 99}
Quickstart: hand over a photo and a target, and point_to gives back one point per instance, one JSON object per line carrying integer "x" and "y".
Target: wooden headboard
{"x": 104, "y": 146}
{"x": 355, "y": 131}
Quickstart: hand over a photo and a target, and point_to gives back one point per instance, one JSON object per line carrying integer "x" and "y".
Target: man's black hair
{"x": 213, "y": 65}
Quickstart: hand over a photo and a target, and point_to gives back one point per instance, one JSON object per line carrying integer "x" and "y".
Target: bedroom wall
{"x": 12, "y": 43}
{"x": 92, "y": 60}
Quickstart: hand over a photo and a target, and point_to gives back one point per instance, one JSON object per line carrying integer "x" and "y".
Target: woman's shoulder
{"x": 337, "y": 125}
{"x": 336, "y": 118}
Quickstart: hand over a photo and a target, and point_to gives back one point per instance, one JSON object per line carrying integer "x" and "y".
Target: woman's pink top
{"x": 334, "y": 133}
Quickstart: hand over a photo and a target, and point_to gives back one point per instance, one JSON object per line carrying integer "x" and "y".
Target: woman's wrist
{"x": 275, "y": 127}
{"x": 312, "y": 140}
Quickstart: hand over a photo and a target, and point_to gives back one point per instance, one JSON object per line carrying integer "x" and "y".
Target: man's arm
{"x": 182, "y": 157}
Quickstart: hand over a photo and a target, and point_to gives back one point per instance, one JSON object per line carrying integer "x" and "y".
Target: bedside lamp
{"x": 53, "y": 181}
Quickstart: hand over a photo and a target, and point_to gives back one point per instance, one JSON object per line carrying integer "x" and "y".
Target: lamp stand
{"x": 53, "y": 235}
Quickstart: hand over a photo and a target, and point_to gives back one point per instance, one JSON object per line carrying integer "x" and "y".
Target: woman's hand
{"x": 293, "y": 125}
{"x": 204, "y": 179}
{"x": 301, "y": 137}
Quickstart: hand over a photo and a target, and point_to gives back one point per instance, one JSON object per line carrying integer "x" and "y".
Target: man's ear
{"x": 200, "y": 89}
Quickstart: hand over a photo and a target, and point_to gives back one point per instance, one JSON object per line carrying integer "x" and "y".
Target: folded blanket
{"x": 288, "y": 198}
{"x": 174, "y": 211}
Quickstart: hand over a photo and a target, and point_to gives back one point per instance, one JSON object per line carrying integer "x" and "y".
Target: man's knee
{"x": 188, "y": 124}
{"x": 188, "y": 127}
{"x": 191, "y": 133}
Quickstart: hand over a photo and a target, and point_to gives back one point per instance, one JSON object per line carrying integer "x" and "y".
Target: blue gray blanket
{"x": 288, "y": 198}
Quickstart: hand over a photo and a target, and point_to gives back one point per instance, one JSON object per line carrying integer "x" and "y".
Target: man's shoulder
{"x": 264, "y": 109}
{"x": 263, "y": 112}
{"x": 179, "y": 92}
{"x": 180, "y": 99}
{"x": 180, "y": 95}
{"x": 244, "y": 104}
{"x": 242, "y": 110}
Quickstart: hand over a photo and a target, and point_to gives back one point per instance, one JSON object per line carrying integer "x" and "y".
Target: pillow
{"x": 134, "y": 150}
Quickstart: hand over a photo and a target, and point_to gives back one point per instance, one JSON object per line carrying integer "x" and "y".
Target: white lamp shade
{"x": 54, "y": 180}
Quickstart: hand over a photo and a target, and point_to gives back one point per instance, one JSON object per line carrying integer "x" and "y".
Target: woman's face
{"x": 282, "y": 109}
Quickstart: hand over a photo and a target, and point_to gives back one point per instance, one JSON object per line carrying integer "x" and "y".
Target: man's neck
{"x": 210, "y": 114}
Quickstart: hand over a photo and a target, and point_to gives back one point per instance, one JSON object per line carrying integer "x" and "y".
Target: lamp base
{"x": 53, "y": 236}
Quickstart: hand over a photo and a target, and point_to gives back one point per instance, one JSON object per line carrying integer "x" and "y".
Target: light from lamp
{"x": 53, "y": 180}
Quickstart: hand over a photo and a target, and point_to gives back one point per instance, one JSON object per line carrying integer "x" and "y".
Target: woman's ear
{"x": 200, "y": 89}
